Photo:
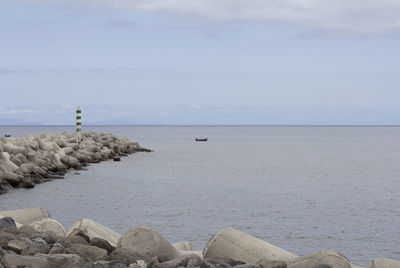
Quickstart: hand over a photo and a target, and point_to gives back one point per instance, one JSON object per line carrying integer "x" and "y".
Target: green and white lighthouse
{"x": 78, "y": 119}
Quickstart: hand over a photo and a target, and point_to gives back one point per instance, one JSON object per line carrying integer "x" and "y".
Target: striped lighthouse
{"x": 78, "y": 119}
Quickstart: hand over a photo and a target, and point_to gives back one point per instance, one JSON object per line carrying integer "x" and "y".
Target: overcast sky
{"x": 200, "y": 62}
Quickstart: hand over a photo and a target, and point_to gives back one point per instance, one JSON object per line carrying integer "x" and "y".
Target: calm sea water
{"x": 304, "y": 189}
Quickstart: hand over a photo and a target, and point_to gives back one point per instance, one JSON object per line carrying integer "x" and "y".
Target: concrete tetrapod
{"x": 51, "y": 225}
{"x": 384, "y": 263}
{"x": 27, "y": 215}
{"x": 148, "y": 243}
{"x": 240, "y": 246}
{"x": 94, "y": 229}
{"x": 183, "y": 246}
{"x": 326, "y": 257}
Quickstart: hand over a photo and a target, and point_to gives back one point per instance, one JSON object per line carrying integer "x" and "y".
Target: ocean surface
{"x": 304, "y": 189}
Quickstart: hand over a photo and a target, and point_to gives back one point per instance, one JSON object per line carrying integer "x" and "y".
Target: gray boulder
{"x": 78, "y": 240}
{"x": 17, "y": 245}
{"x": 195, "y": 261}
{"x": 89, "y": 253}
{"x": 38, "y": 246}
{"x": 222, "y": 260}
{"x": 177, "y": 262}
{"x": 271, "y": 264}
{"x": 78, "y": 232}
{"x": 246, "y": 266}
{"x": 124, "y": 255}
{"x": 102, "y": 243}
{"x": 10, "y": 261}
{"x": 7, "y": 223}
{"x": 47, "y": 236}
{"x": 61, "y": 260}
{"x": 57, "y": 248}
{"x": 95, "y": 254}
{"x": 148, "y": 243}
{"x": 27, "y": 230}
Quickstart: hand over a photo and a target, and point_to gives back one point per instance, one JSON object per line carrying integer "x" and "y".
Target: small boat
{"x": 201, "y": 139}
{"x": 7, "y": 135}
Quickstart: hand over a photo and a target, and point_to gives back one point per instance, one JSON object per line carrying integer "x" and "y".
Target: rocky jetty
{"x": 27, "y": 161}
{"x": 30, "y": 238}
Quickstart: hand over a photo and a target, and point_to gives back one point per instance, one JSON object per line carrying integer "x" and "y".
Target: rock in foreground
{"x": 90, "y": 245}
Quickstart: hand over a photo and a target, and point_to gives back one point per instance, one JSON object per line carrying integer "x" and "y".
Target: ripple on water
{"x": 304, "y": 189}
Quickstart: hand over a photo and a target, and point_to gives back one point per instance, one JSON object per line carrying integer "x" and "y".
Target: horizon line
{"x": 209, "y": 125}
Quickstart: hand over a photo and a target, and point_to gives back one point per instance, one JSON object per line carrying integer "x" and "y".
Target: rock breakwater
{"x": 43, "y": 242}
{"x": 27, "y": 161}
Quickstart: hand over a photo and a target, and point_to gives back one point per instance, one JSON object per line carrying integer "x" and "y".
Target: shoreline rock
{"x": 86, "y": 246}
{"x": 25, "y": 162}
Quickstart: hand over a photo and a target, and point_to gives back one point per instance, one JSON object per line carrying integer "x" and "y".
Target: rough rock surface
{"x": 148, "y": 243}
{"x": 25, "y": 162}
{"x": 140, "y": 247}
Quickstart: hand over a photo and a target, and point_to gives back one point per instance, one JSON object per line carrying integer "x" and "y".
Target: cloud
{"x": 337, "y": 16}
{"x": 18, "y": 112}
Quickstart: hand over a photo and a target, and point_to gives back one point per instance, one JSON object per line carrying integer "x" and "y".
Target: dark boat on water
{"x": 7, "y": 135}
{"x": 201, "y": 139}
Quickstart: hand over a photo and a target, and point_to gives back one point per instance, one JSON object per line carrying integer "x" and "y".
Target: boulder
{"x": 124, "y": 255}
{"x": 327, "y": 257}
{"x": 384, "y": 263}
{"x": 94, "y": 229}
{"x": 26, "y": 229}
{"x": 181, "y": 262}
{"x": 246, "y": 266}
{"x": 7, "y": 223}
{"x": 77, "y": 232}
{"x": 77, "y": 240}
{"x": 148, "y": 243}
{"x": 11, "y": 260}
{"x": 195, "y": 261}
{"x": 57, "y": 248}
{"x": 95, "y": 254}
{"x": 89, "y": 253}
{"x": 27, "y": 215}
{"x": 240, "y": 246}
{"x": 17, "y": 245}
{"x": 102, "y": 243}
{"x": 49, "y": 225}
{"x": 38, "y": 246}
{"x": 47, "y": 236}
{"x": 223, "y": 260}
{"x": 222, "y": 265}
{"x": 271, "y": 264}
{"x": 61, "y": 260}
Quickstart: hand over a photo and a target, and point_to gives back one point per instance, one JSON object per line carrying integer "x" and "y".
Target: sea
{"x": 301, "y": 188}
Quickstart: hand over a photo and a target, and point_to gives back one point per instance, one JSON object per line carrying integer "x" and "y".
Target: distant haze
{"x": 200, "y": 62}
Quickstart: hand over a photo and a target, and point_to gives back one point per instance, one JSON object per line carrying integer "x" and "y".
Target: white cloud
{"x": 18, "y": 112}
{"x": 337, "y": 16}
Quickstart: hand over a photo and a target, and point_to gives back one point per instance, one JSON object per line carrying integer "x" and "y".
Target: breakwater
{"x": 30, "y": 160}
{"x": 30, "y": 238}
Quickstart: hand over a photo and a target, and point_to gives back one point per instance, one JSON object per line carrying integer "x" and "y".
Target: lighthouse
{"x": 78, "y": 120}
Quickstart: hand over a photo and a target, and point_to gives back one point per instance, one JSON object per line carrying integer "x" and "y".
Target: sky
{"x": 189, "y": 62}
